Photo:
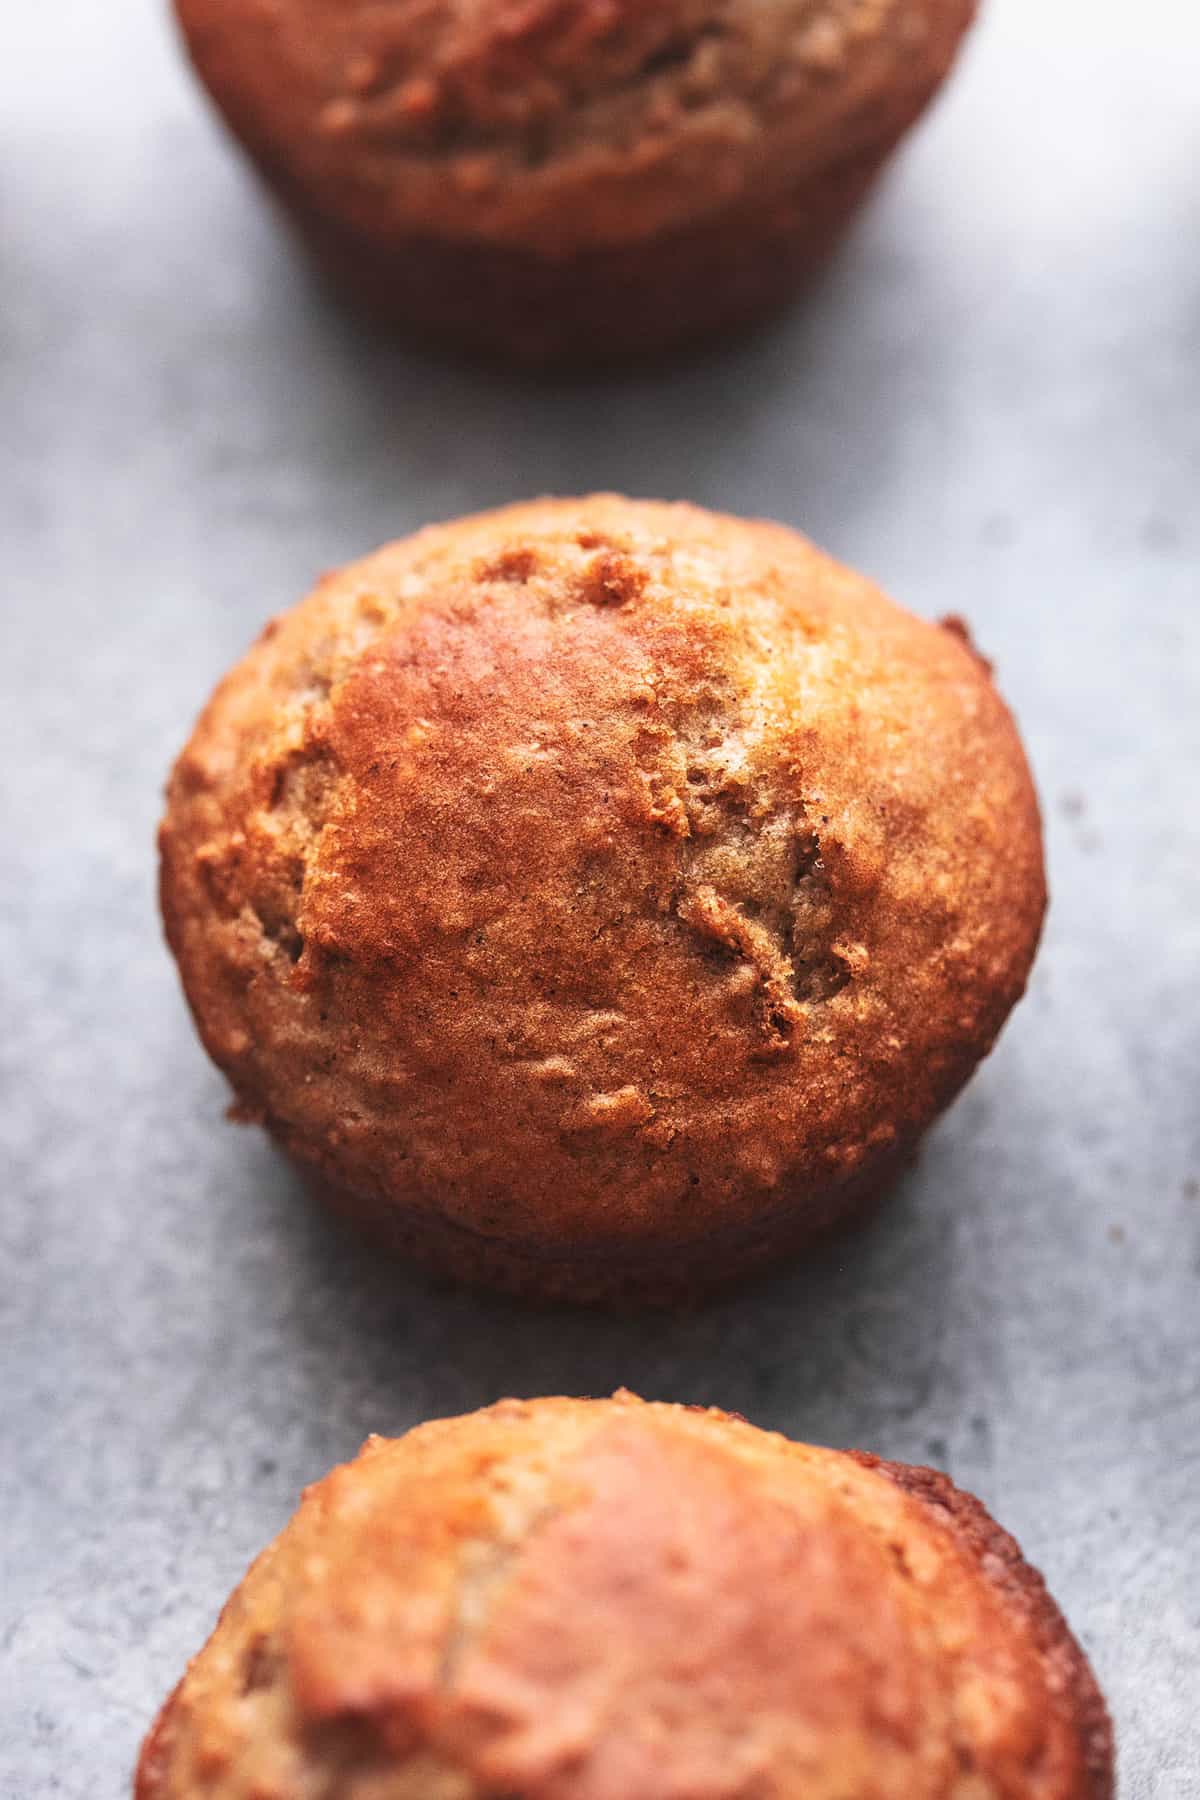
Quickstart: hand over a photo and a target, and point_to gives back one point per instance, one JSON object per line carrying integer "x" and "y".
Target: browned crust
{"x": 153, "y": 1761}
{"x": 1069, "y": 1676}
{"x": 376, "y": 961}
{"x": 516, "y": 1600}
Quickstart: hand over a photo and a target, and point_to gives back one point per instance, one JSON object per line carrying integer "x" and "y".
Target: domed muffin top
{"x": 574, "y": 1600}
{"x": 600, "y": 871}
{"x": 561, "y": 127}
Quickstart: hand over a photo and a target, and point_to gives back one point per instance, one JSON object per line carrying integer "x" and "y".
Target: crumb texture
{"x": 600, "y": 876}
{"x": 602, "y": 1600}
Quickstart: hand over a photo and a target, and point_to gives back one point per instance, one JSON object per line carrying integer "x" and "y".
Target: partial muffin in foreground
{"x": 587, "y": 179}
{"x": 604, "y": 1600}
{"x": 602, "y": 896}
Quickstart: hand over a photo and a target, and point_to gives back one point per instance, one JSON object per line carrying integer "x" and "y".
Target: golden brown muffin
{"x": 585, "y": 178}
{"x": 604, "y": 1600}
{"x": 603, "y": 896}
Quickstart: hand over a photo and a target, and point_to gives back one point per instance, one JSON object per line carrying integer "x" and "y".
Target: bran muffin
{"x": 571, "y": 178}
{"x": 607, "y": 1600}
{"x": 601, "y": 896}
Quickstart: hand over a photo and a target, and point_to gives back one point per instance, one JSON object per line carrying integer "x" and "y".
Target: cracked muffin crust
{"x": 608, "y": 1600}
{"x": 602, "y": 896}
{"x": 571, "y": 177}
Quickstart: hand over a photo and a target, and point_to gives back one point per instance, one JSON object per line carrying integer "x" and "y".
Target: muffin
{"x": 571, "y": 178}
{"x": 605, "y": 1600}
{"x": 601, "y": 896}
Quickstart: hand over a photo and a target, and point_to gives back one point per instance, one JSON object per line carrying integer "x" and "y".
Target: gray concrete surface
{"x": 992, "y": 402}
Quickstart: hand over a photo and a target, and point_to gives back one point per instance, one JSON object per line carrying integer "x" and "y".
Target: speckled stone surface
{"x": 992, "y": 403}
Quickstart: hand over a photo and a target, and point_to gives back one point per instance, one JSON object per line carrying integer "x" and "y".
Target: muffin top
{"x": 604, "y": 1600}
{"x": 601, "y": 872}
{"x": 562, "y": 127}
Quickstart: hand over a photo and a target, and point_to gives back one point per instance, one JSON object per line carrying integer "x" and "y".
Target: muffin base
{"x": 659, "y": 1275}
{"x": 615, "y": 304}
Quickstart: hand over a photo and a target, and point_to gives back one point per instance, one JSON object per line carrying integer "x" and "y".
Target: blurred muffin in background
{"x": 602, "y": 896}
{"x": 603, "y": 1600}
{"x": 585, "y": 179}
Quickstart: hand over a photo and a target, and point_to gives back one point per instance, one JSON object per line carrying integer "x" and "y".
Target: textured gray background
{"x": 992, "y": 403}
